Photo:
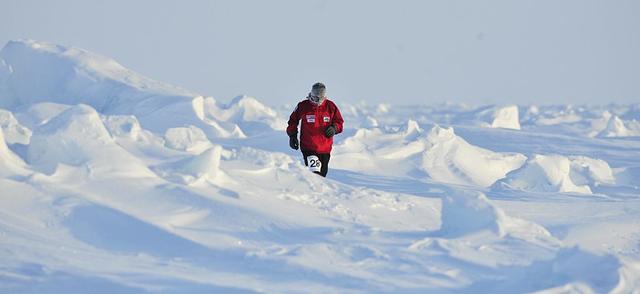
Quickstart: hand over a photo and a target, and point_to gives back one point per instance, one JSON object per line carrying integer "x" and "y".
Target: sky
{"x": 397, "y": 52}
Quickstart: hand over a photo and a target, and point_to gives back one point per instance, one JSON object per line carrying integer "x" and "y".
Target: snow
{"x": 616, "y": 128}
{"x": 78, "y": 137}
{"x": 123, "y": 126}
{"x": 69, "y": 75}
{"x": 439, "y": 154}
{"x": 111, "y": 182}
{"x": 556, "y": 173}
{"x": 188, "y": 138}
{"x": 14, "y": 131}
{"x": 10, "y": 163}
{"x": 451, "y": 159}
{"x": 506, "y": 117}
{"x": 492, "y": 116}
{"x": 469, "y": 212}
{"x": 202, "y": 167}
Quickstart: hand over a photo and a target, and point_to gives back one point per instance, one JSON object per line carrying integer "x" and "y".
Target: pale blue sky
{"x": 378, "y": 51}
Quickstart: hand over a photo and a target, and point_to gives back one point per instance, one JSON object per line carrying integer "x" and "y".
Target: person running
{"x": 321, "y": 120}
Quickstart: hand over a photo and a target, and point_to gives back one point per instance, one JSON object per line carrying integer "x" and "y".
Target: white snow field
{"x": 111, "y": 182}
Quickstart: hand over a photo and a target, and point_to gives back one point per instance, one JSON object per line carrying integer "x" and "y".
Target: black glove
{"x": 293, "y": 142}
{"x": 330, "y": 131}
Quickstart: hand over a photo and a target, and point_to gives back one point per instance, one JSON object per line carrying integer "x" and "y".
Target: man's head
{"x": 318, "y": 91}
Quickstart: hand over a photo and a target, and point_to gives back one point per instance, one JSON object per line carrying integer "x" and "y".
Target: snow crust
{"x": 111, "y": 182}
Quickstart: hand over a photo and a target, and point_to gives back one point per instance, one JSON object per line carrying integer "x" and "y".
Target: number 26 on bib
{"x": 314, "y": 163}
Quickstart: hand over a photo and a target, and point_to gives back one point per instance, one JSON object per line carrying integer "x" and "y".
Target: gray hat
{"x": 319, "y": 90}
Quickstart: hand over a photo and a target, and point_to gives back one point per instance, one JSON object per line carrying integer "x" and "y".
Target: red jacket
{"x": 315, "y": 120}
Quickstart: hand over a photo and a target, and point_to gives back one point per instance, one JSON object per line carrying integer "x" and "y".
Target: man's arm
{"x": 337, "y": 120}
{"x": 294, "y": 119}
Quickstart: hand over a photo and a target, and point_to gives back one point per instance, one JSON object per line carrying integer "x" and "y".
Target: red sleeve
{"x": 294, "y": 118}
{"x": 337, "y": 120}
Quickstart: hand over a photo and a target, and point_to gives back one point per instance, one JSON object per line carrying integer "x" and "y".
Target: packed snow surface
{"x": 111, "y": 182}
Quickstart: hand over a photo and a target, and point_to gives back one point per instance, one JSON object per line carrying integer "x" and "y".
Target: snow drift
{"x": 467, "y": 212}
{"x": 506, "y": 117}
{"x": 189, "y": 138}
{"x": 617, "y": 128}
{"x": 123, "y": 126}
{"x": 440, "y": 153}
{"x": 13, "y": 130}
{"x": 556, "y": 173}
{"x": 72, "y": 76}
{"x": 451, "y": 159}
{"x": 68, "y": 75}
{"x": 202, "y": 167}
{"x": 10, "y": 163}
{"x": 501, "y": 117}
{"x": 78, "y": 137}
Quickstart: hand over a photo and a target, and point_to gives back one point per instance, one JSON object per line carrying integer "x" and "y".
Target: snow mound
{"x": 123, "y": 126}
{"x": 464, "y": 213}
{"x": 506, "y": 117}
{"x": 468, "y": 212}
{"x": 13, "y": 130}
{"x": 190, "y": 112}
{"x": 381, "y": 150}
{"x": 202, "y": 167}
{"x": 70, "y": 76}
{"x": 78, "y": 137}
{"x": 591, "y": 172}
{"x": 449, "y": 158}
{"x": 80, "y": 124}
{"x": 206, "y": 164}
{"x": 10, "y": 163}
{"x": 556, "y": 173}
{"x": 565, "y": 114}
{"x": 243, "y": 115}
{"x": 440, "y": 153}
{"x": 616, "y": 128}
{"x": 249, "y": 114}
{"x": 39, "y": 113}
{"x": 412, "y": 130}
{"x": 190, "y": 139}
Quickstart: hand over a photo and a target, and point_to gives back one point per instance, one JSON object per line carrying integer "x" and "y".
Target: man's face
{"x": 318, "y": 93}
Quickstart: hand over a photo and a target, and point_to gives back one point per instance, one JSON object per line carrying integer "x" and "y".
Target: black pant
{"x": 322, "y": 157}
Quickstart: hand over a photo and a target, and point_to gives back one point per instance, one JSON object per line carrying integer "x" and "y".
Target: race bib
{"x": 311, "y": 118}
{"x": 314, "y": 163}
